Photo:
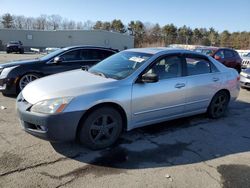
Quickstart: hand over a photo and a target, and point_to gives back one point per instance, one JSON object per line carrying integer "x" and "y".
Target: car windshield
{"x": 13, "y": 42}
{"x": 52, "y": 54}
{"x": 120, "y": 65}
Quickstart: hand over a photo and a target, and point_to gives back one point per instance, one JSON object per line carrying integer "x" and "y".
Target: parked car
{"x": 246, "y": 61}
{"x": 245, "y": 78}
{"x": 130, "y": 89}
{"x": 15, "y": 46}
{"x": 15, "y": 76}
{"x": 226, "y": 56}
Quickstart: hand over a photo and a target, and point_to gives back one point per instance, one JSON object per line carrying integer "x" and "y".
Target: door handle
{"x": 180, "y": 85}
{"x": 216, "y": 79}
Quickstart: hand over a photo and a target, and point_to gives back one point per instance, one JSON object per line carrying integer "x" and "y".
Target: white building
{"x": 62, "y": 38}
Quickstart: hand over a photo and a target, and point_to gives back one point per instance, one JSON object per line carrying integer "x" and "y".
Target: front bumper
{"x": 244, "y": 82}
{"x": 55, "y": 127}
{"x": 7, "y": 85}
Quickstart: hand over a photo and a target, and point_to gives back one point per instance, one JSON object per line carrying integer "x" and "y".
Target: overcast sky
{"x": 232, "y": 15}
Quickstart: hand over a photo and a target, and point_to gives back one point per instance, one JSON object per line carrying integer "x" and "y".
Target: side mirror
{"x": 217, "y": 57}
{"x": 58, "y": 60}
{"x": 149, "y": 78}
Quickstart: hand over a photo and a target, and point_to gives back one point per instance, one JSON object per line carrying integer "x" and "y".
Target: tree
{"x": 154, "y": 34}
{"x": 197, "y": 36}
{"x": 41, "y": 23}
{"x": 98, "y": 25}
{"x": 19, "y": 22}
{"x": 29, "y": 22}
{"x": 79, "y": 25}
{"x": 137, "y": 29}
{"x": 225, "y": 39}
{"x": 117, "y": 25}
{"x": 71, "y": 25}
{"x": 7, "y": 20}
{"x": 106, "y": 26}
{"x": 169, "y": 33}
{"x": 213, "y": 37}
{"x": 55, "y": 21}
{"x": 88, "y": 25}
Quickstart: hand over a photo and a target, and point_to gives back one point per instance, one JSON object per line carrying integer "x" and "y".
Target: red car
{"x": 226, "y": 56}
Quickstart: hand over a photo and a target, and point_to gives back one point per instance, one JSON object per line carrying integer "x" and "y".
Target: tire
{"x": 21, "y": 51}
{"x": 7, "y": 52}
{"x": 26, "y": 79}
{"x": 101, "y": 128}
{"x": 218, "y": 105}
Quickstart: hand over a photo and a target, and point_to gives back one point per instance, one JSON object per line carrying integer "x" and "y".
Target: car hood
{"x": 246, "y": 71}
{"x": 21, "y": 62}
{"x": 71, "y": 83}
{"x": 245, "y": 58}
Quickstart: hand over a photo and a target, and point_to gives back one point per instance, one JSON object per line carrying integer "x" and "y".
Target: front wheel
{"x": 101, "y": 128}
{"x": 218, "y": 105}
{"x": 26, "y": 79}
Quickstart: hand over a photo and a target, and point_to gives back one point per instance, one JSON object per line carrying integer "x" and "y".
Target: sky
{"x": 232, "y": 15}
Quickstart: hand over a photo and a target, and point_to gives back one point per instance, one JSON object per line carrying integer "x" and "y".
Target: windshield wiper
{"x": 99, "y": 74}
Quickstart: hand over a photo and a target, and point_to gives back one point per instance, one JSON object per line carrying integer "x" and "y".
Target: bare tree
{"x": 41, "y": 23}
{"x": 29, "y": 23}
{"x": 19, "y": 22}
{"x": 88, "y": 25}
{"x": 79, "y": 25}
{"x": 72, "y": 25}
{"x": 55, "y": 21}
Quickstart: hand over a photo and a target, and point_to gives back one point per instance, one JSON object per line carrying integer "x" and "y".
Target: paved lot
{"x": 189, "y": 152}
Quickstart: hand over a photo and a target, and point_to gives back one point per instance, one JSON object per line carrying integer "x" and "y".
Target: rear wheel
{"x": 218, "y": 105}
{"x": 26, "y": 79}
{"x": 101, "y": 128}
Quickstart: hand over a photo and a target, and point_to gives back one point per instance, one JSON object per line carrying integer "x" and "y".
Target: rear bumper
{"x": 57, "y": 127}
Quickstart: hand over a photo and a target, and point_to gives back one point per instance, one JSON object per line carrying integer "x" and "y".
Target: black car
{"x": 14, "y": 76}
{"x": 15, "y": 46}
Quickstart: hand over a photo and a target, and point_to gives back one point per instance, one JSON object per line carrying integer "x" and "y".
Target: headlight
{"x": 6, "y": 71}
{"x": 245, "y": 75}
{"x": 51, "y": 106}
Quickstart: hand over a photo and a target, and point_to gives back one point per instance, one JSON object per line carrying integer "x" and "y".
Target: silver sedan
{"x": 131, "y": 89}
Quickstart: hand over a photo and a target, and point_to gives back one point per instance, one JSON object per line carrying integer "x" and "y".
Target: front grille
{"x": 245, "y": 63}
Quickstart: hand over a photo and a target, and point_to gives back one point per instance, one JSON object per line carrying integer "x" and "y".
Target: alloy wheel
{"x": 26, "y": 79}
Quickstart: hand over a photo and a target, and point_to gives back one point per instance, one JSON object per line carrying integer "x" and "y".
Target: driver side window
{"x": 71, "y": 56}
{"x": 167, "y": 67}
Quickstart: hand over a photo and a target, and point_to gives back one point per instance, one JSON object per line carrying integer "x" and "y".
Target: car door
{"x": 203, "y": 80}
{"x": 69, "y": 60}
{"x": 152, "y": 102}
{"x": 230, "y": 58}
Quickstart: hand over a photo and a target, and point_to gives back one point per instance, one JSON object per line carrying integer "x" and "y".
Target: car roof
{"x": 156, "y": 50}
{"x": 89, "y": 46}
{"x": 214, "y": 48}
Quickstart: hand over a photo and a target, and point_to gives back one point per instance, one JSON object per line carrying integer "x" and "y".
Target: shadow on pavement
{"x": 183, "y": 141}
